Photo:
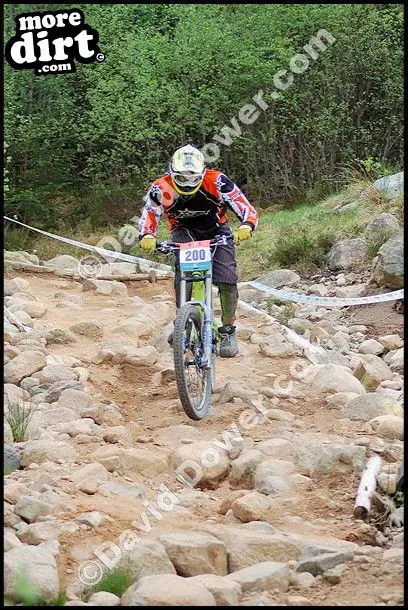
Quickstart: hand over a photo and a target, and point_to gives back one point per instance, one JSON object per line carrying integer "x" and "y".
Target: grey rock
{"x": 40, "y": 567}
{"x": 389, "y": 267}
{"x": 63, "y": 261}
{"x": 11, "y": 459}
{"x": 104, "y": 598}
{"x": 55, "y": 390}
{"x": 371, "y": 405}
{"x": 262, "y": 577}
{"x": 195, "y": 553}
{"x": 381, "y": 224}
{"x": 226, "y": 592}
{"x": 167, "y": 590}
{"x": 60, "y": 336}
{"x": 347, "y": 253}
{"x": 23, "y": 365}
{"x": 390, "y": 186}
{"x": 279, "y": 278}
{"x": 319, "y": 564}
{"x": 90, "y": 328}
{"x": 317, "y": 458}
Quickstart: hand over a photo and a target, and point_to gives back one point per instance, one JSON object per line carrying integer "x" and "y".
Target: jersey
{"x": 205, "y": 210}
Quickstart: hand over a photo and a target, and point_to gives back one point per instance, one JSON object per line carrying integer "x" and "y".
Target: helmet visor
{"x": 187, "y": 178}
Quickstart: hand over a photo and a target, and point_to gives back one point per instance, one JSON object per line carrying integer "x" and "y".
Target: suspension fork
{"x": 202, "y": 297}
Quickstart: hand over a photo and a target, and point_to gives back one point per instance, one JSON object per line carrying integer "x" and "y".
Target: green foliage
{"x": 18, "y": 417}
{"x": 28, "y": 593}
{"x": 86, "y": 145}
{"x": 399, "y": 498}
{"x": 288, "y": 312}
{"x": 115, "y": 581}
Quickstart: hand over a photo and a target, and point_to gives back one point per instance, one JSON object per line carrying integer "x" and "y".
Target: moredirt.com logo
{"x": 49, "y": 43}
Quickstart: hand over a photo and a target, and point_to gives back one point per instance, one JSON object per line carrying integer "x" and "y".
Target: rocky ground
{"x": 275, "y": 467}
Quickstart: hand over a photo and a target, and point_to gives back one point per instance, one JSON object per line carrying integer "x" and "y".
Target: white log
{"x": 367, "y": 487}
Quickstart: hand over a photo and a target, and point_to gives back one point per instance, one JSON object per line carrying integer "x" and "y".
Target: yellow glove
{"x": 148, "y": 242}
{"x": 242, "y": 233}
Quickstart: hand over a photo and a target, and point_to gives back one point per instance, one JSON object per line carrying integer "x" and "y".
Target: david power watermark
{"x": 50, "y": 42}
{"x": 108, "y": 555}
{"x": 283, "y": 79}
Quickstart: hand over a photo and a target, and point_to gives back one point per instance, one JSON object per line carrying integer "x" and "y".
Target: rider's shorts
{"x": 224, "y": 262}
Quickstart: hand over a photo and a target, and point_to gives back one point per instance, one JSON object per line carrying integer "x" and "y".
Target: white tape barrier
{"x": 281, "y": 294}
{"x": 312, "y": 352}
{"x": 106, "y": 254}
{"x": 11, "y": 317}
{"x": 327, "y": 301}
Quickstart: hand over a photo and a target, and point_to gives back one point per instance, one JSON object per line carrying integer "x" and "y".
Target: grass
{"x": 18, "y": 417}
{"x": 399, "y": 498}
{"x": 115, "y": 581}
{"x": 301, "y": 238}
{"x": 27, "y": 593}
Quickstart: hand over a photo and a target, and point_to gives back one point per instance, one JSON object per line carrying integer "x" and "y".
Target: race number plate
{"x": 195, "y": 256}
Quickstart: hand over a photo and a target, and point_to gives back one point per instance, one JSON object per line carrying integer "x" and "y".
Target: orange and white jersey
{"x": 206, "y": 209}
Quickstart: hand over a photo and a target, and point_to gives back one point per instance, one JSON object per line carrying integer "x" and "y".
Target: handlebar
{"x": 168, "y": 246}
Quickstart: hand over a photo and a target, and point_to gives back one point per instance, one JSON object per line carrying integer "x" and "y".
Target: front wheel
{"x": 194, "y": 383}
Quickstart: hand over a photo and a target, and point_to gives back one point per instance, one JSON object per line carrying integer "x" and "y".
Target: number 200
{"x": 195, "y": 255}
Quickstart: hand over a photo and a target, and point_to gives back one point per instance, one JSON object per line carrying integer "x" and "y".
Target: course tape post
{"x": 328, "y": 301}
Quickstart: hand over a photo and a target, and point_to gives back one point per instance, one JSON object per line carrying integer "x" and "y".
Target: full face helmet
{"x": 187, "y": 169}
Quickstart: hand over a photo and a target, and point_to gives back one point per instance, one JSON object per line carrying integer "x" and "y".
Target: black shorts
{"x": 224, "y": 262}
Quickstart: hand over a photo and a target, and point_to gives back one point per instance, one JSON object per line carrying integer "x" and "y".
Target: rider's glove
{"x": 148, "y": 242}
{"x": 242, "y": 233}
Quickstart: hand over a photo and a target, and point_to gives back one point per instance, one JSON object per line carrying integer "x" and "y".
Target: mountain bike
{"x": 196, "y": 338}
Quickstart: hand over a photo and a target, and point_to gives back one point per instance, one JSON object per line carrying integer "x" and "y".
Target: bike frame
{"x": 201, "y": 297}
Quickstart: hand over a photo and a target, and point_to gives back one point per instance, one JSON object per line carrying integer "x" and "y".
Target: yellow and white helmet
{"x": 187, "y": 169}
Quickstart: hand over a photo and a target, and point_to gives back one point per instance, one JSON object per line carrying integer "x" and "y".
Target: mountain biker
{"x": 195, "y": 200}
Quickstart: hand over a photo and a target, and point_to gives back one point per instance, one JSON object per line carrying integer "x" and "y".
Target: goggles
{"x": 186, "y": 178}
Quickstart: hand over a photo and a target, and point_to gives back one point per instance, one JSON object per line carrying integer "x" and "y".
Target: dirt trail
{"x": 322, "y": 507}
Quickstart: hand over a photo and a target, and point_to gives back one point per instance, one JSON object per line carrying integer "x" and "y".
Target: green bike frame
{"x": 201, "y": 297}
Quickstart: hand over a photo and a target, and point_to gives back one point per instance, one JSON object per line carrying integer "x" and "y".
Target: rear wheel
{"x": 194, "y": 384}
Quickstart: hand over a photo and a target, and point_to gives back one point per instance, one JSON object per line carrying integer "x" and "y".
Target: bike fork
{"x": 207, "y": 325}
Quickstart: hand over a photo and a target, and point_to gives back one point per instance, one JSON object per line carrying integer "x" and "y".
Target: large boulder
{"x": 226, "y": 592}
{"x": 389, "y": 426}
{"x": 390, "y": 186}
{"x": 63, "y": 261}
{"x": 383, "y": 224}
{"x": 35, "y": 309}
{"x": 106, "y": 287}
{"x": 23, "y": 365}
{"x": 89, "y": 328}
{"x": 11, "y": 459}
{"x": 40, "y": 569}
{"x": 40, "y": 451}
{"x": 347, "y": 253}
{"x": 17, "y": 284}
{"x": 21, "y": 256}
{"x": 315, "y": 458}
{"x": 167, "y": 590}
{"x": 279, "y": 278}
{"x": 332, "y": 378}
{"x": 201, "y": 464}
{"x": 389, "y": 267}
{"x": 262, "y": 577}
{"x": 195, "y": 553}
{"x": 142, "y": 558}
{"x": 131, "y": 462}
{"x": 371, "y": 370}
{"x": 247, "y": 547}
{"x": 370, "y": 405}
